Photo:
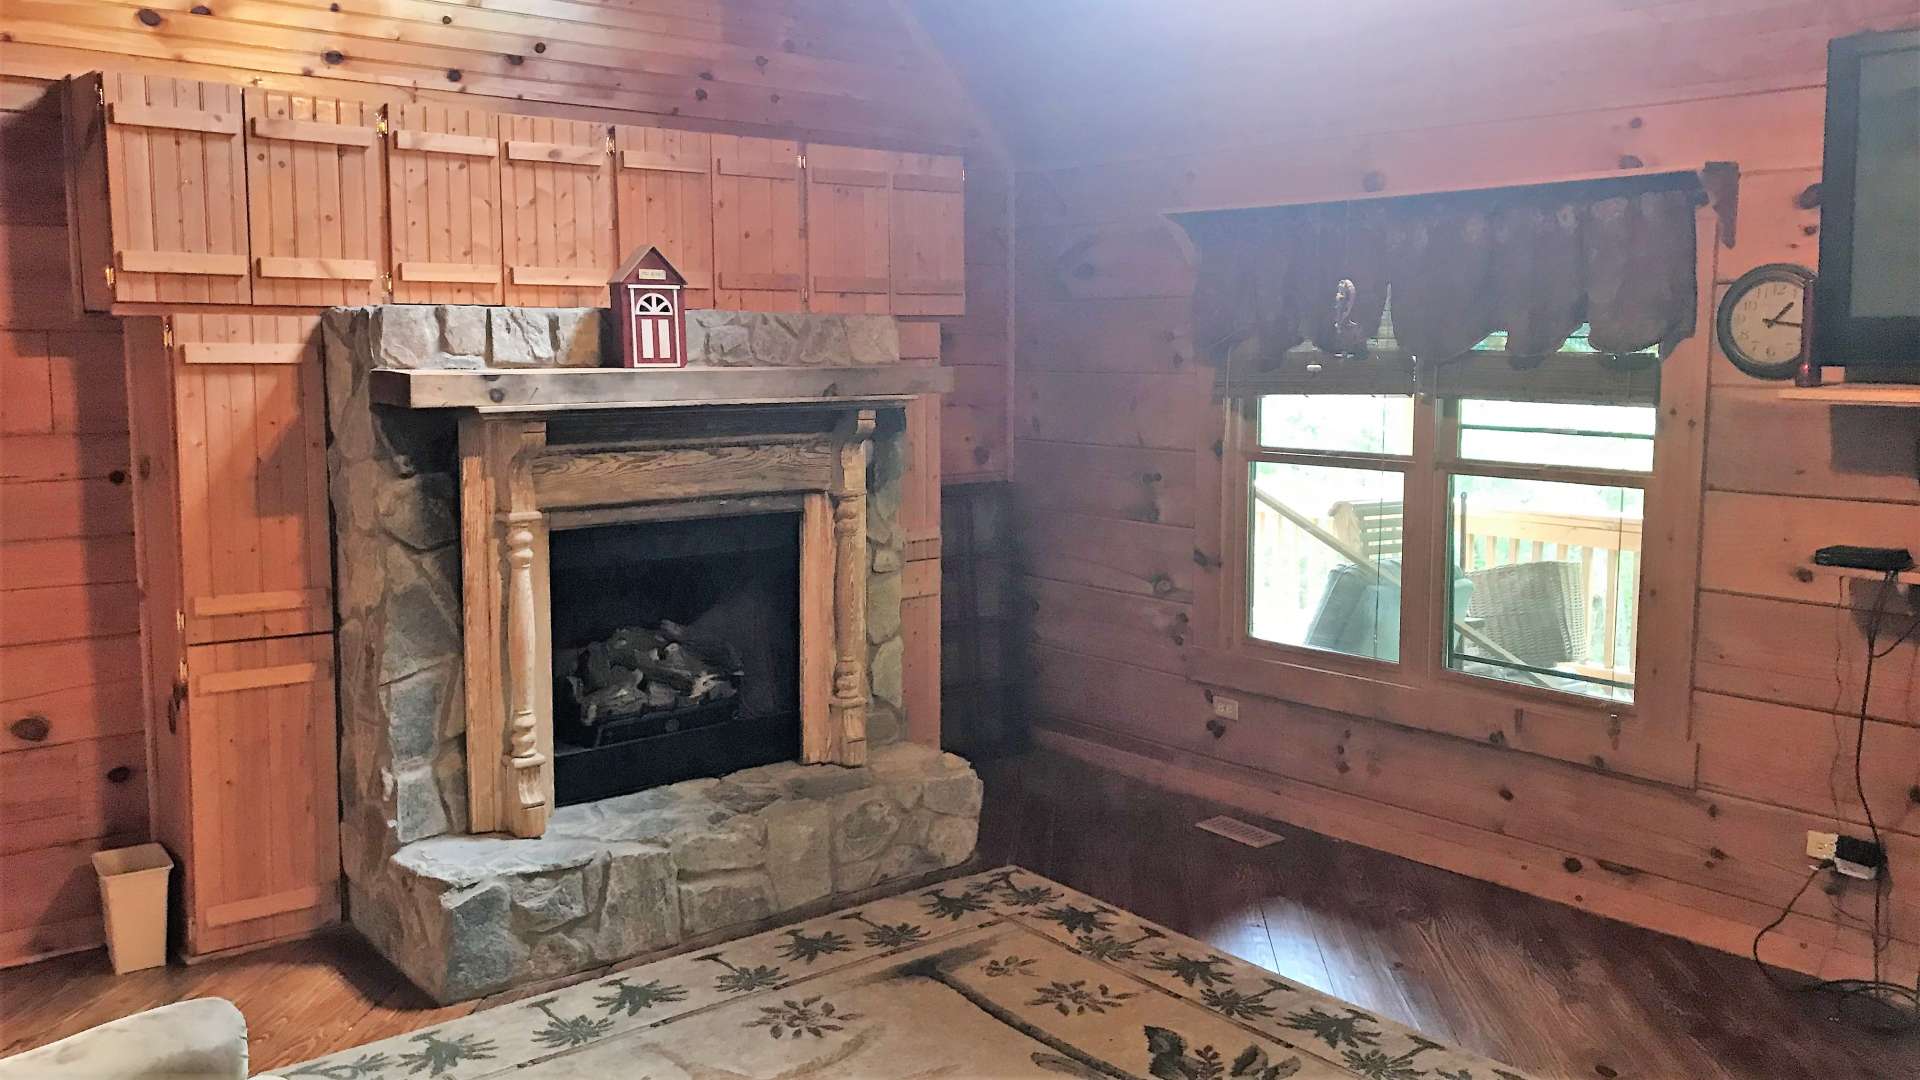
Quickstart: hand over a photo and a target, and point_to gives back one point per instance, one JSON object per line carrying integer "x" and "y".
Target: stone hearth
{"x": 463, "y": 914}
{"x": 644, "y": 872}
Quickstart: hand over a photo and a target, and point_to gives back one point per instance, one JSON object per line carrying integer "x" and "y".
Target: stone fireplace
{"x": 620, "y": 656}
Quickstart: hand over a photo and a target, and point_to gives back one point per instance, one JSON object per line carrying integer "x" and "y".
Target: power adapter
{"x": 1858, "y": 858}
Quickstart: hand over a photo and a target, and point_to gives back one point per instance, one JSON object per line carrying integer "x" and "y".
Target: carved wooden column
{"x": 847, "y": 712}
{"x": 523, "y": 673}
{"x": 509, "y": 692}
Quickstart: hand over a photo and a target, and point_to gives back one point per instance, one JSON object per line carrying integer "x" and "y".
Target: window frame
{"x": 1649, "y": 737}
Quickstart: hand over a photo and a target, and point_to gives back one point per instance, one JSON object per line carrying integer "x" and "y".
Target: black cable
{"x": 1900, "y": 1001}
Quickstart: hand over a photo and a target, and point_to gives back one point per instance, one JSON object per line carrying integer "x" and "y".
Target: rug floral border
{"x": 1289, "y": 1017}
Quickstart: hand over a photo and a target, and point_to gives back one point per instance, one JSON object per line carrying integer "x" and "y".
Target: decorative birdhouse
{"x": 646, "y": 303}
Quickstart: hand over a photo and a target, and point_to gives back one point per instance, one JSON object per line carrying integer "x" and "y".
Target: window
{"x": 1544, "y": 504}
{"x": 1327, "y": 488}
{"x": 1493, "y": 522}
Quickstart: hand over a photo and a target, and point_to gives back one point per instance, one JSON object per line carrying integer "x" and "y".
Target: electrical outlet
{"x": 1226, "y": 708}
{"x": 1822, "y": 845}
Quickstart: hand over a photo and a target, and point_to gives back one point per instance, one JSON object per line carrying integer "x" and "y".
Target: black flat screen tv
{"x": 1867, "y": 300}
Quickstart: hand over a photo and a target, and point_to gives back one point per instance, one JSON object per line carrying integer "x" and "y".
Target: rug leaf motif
{"x": 637, "y": 999}
{"x": 809, "y": 1016}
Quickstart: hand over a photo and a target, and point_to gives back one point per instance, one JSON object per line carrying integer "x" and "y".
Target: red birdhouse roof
{"x": 647, "y": 258}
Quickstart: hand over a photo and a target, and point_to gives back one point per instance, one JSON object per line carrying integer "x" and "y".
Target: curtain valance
{"x": 1616, "y": 256}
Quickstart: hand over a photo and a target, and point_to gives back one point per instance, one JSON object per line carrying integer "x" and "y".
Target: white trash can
{"x": 133, "y": 896}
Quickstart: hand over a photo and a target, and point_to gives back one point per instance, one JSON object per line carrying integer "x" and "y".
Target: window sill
{"x": 1594, "y": 736}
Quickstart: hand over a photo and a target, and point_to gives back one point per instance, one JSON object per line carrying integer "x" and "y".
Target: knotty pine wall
{"x": 846, "y": 71}
{"x": 69, "y": 605}
{"x": 1110, "y": 413}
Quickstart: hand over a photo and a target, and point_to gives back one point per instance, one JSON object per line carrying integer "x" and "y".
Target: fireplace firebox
{"x": 675, "y": 651}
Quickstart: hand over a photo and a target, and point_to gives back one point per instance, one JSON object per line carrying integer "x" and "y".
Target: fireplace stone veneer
{"x": 465, "y": 913}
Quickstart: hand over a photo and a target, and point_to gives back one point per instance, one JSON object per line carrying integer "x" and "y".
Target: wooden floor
{"x": 1554, "y": 991}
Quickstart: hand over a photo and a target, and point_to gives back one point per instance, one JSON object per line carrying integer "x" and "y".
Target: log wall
{"x": 853, "y": 72}
{"x": 70, "y": 699}
{"x": 1110, "y": 408}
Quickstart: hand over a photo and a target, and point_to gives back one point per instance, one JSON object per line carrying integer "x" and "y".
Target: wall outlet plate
{"x": 1226, "y": 708}
{"x": 1822, "y": 845}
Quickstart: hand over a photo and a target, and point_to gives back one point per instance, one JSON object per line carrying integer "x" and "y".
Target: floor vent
{"x": 1239, "y": 831}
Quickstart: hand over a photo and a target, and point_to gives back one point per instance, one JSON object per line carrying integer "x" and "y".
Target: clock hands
{"x": 1780, "y": 317}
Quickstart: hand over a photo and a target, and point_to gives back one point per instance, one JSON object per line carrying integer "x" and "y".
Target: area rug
{"x": 1002, "y": 974}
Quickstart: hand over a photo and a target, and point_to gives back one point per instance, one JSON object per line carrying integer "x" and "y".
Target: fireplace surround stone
{"x": 465, "y": 914}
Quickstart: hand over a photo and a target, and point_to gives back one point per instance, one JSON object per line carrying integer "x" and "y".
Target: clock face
{"x": 1763, "y": 320}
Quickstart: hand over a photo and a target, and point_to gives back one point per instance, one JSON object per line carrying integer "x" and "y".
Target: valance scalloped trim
{"x": 1537, "y": 262}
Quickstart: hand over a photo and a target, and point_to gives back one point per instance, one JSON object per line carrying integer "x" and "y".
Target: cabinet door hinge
{"x": 107, "y": 272}
{"x": 380, "y": 126}
{"x": 166, "y": 339}
{"x": 386, "y": 283}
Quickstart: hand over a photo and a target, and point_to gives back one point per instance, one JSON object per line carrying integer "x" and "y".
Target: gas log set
{"x": 641, "y": 681}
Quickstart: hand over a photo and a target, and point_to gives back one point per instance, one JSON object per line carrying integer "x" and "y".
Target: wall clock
{"x": 1763, "y": 320}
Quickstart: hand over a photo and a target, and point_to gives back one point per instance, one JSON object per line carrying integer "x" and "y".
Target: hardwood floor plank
{"x": 1550, "y": 989}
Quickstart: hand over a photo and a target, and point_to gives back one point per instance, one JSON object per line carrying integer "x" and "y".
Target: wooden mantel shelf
{"x": 497, "y": 390}
{"x": 1896, "y": 395}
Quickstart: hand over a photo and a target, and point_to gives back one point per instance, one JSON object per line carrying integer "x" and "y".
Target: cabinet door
{"x": 443, "y": 194}
{"x": 929, "y": 248}
{"x": 251, "y": 468}
{"x": 264, "y": 858}
{"x": 176, "y": 190}
{"x": 758, "y": 249}
{"x": 316, "y": 200}
{"x": 664, "y": 186}
{"x": 556, "y": 189}
{"x": 847, "y": 230}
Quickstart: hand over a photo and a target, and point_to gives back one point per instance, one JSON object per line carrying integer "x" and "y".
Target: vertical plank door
{"x": 443, "y": 197}
{"x": 251, "y": 476}
{"x": 848, "y": 245}
{"x": 316, "y": 199}
{"x": 176, "y": 190}
{"x": 556, "y": 221}
{"x": 758, "y": 246}
{"x": 664, "y": 195}
{"x": 264, "y": 856}
{"x": 929, "y": 235}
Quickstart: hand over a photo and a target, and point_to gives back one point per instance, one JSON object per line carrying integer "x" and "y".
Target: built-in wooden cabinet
{"x": 261, "y": 842}
{"x": 158, "y": 172}
{"x": 759, "y": 242}
{"x": 557, "y": 229}
{"x": 927, "y": 231}
{"x": 443, "y": 188}
{"x": 227, "y": 418}
{"x": 316, "y": 200}
{"x": 198, "y": 193}
{"x": 663, "y": 183}
{"x": 848, "y": 244}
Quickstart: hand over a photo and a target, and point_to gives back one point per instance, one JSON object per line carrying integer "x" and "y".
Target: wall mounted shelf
{"x": 1895, "y": 395}
{"x": 1907, "y": 578}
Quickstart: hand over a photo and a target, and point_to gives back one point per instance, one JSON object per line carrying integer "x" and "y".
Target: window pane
{"x": 1548, "y": 433}
{"x": 1324, "y": 570}
{"x": 1546, "y": 580}
{"x": 1353, "y": 423}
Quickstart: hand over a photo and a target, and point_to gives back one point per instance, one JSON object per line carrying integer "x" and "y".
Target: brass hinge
{"x": 380, "y": 126}
{"x": 166, "y": 339}
{"x": 610, "y": 147}
{"x": 107, "y": 272}
{"x": 386, "y": 283}
{"x": 100, "y": 91}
